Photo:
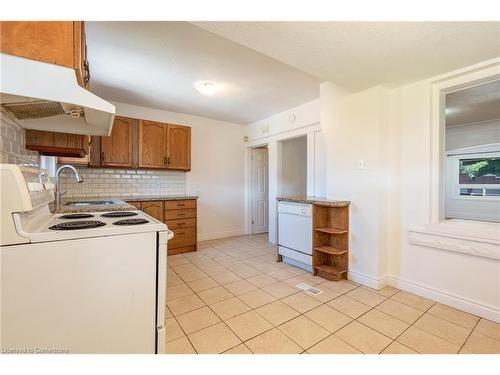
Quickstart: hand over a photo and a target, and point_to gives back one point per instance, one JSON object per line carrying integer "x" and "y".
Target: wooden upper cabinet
{"x": 54, "y": 42}
{"x": 117, "y": 149}
{"x": 152, "y": 145}
{"x": 57, "y": 144}
{"x": 179, "y": 147}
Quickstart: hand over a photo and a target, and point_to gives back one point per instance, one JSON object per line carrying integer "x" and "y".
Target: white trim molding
{"x": 470, "y": 306}
{"x": 460, "y": 236}
{"x": 367, "y": 280}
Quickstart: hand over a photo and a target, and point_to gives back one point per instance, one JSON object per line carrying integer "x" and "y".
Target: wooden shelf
{"x": 330, "y": 230}
{"x": 330, "y": 250}
{"x": 331, "y": 242}
{"x": 330, "y": 272}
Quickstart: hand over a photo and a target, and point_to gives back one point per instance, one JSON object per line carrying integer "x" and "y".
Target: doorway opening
{"x": 259, "y": 189}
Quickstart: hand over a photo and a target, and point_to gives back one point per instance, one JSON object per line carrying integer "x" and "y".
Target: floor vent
{"x": 309, "y": 289}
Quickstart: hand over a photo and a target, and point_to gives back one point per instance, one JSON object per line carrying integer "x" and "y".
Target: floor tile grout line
{"x": 469, "y": 335}
{"x": 411, "y": 325}
{"x": 442, "y": 338}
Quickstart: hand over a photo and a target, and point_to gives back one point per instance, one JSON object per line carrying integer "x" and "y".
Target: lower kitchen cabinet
{"x": 154, "y": 209}
{"x": 180, "y": 217}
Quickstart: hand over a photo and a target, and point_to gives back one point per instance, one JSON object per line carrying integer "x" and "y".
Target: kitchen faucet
{"x": 79, "y": 179}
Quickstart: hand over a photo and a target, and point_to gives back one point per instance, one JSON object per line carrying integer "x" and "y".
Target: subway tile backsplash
{"x": 122, "y": 183}
{"x": 12, "y": 138}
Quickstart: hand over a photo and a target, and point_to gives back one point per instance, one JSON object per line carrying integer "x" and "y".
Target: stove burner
{"x": 119, "y": 214}
{"x": 72, "y": 225}
{"x": 131, "y": 222}
{"x": 76, "y": 216}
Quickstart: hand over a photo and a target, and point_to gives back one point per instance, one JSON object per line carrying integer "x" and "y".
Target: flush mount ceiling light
{"x": 207, "y": 87}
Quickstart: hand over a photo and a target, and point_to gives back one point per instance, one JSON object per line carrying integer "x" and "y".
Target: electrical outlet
{"x": 264, "y": 129}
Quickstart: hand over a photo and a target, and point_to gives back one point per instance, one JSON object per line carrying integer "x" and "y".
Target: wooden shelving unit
{"x": 331, "y": 241}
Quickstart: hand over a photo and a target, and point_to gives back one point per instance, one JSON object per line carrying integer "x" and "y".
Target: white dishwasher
{"x": 295, "y": 234}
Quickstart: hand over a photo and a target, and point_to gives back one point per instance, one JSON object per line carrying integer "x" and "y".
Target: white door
{"x": 260, "y": 193}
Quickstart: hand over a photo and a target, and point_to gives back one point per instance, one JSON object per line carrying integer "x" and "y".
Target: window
{"x": 479, "y": 177}
{"x": 473, "y": 183}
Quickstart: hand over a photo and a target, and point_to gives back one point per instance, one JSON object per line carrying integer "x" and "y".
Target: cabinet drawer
{"x": 176, "y": 205}
{"x": 182, "y": 237}
{"x": 181, "y": 223}
{"x": 180, "y": 214}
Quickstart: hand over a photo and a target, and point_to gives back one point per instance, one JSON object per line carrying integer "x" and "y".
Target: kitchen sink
{"x": 88, "y": 203}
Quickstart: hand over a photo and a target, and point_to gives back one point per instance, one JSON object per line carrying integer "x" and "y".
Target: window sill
{"x": 463, "y": 236}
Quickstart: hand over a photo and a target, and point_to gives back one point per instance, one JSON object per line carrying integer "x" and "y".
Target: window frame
{"x": 475, "y": 75}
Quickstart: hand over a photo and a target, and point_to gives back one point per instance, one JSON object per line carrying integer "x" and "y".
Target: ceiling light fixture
{"x": 206, "y": 87}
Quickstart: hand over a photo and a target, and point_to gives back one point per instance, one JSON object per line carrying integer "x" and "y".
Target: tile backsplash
{"x": 12, "y": 138}
{"x": 122, "y": 183}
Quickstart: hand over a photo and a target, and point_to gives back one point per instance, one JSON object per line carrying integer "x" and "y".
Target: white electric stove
{"x": 78, "y": 283}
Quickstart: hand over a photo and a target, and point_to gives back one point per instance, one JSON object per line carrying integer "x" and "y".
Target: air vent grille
{"x": 34, "y": 110}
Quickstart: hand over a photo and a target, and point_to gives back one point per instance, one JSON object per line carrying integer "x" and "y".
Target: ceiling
{"x": 358, "y": 55}
{"x": 155, "y": 64}
{"x": 473, "y": 104}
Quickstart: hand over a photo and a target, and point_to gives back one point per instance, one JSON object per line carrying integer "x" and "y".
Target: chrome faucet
{"x": 79, "y": 179}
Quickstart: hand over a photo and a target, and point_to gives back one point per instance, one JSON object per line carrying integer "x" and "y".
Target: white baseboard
{"x": 366, "y": 280}
{"x": 472, "y": 307}
{"x": 217, "y": 235}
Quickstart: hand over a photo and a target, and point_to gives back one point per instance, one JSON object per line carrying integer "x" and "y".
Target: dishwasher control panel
{"x": 299, "y": 209}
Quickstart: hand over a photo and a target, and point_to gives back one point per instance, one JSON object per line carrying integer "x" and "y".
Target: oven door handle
{"x": 170, "y": 234}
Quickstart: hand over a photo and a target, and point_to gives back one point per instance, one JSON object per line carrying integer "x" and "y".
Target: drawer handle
{"x": 181, "y": 233}
{"x": 179, "y": 214}
{"x": 181, "y": 224}
{"x": 180, "y": 204}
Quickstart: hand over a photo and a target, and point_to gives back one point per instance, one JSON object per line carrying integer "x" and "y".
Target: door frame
{"x": 250, "y": 226}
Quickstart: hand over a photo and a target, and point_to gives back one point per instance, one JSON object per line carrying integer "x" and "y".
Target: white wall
{"x": 466, "y": 281}
{"x": 355, "y": 128}
{"x": 475, "y": 134}
{"x": 390, "y": 131}
{"x": 319, "y": 166}
{"x": 217, "y": 169}
{"x": 294, "y": 166}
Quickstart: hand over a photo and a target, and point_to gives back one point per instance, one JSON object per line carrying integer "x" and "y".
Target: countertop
{"x": 323, "y": 201}
{"x": 159, "y": 198}
{"x": 117, "y": 205}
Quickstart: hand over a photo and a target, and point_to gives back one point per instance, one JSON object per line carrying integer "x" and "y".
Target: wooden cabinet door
{"x": 116, "y": 150}
{"x": 54, "y": 42}
{"x": 154, "y": 209}
{"x": 47, "y": 41}
{"x": 152, "y": 144}
{"x": 179, "y": 147}
{"x": 136, "y": 204}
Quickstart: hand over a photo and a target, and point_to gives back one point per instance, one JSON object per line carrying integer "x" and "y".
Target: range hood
{"x": 47, "y": 97}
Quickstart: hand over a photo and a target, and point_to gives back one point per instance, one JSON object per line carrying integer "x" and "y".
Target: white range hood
{"x": 47, "y": 97}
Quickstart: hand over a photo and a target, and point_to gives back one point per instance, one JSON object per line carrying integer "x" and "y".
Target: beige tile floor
{"x": 231, "y": 296}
